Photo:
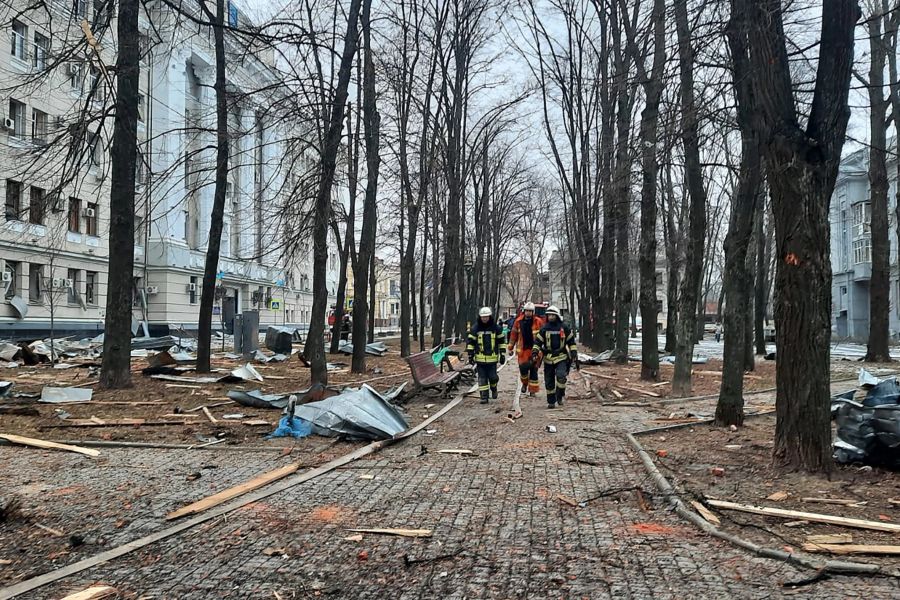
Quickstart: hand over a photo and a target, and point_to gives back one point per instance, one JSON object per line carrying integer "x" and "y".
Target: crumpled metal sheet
{"x": 866, "y": 379}
{"x": 18, "y": 303}
{"x": 257, "y": 399}
{"x": 375, "y": 348}
{"x": 66, "y": 394}
{"x": 359, "y": 414}
{"x": 8, "y": 352}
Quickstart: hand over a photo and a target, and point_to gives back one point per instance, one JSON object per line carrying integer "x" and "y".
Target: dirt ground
{"x": 166, "y": 406}
{"x": 750, "y": 477}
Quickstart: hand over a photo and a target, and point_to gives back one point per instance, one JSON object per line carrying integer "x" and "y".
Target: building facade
{"x": 851, "y": 249}
{"x": 54, "y": 173}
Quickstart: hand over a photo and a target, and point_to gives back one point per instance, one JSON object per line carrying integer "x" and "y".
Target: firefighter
{"x": 524, "y": 331}
{"x": 485, "y": 347}
{"x": 557, "y": 344}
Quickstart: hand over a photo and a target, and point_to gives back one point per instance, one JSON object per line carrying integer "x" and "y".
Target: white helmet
{"x": 529, "y": 306}
{"x": 485, "y": 311}
{"x": 552, "y": 310}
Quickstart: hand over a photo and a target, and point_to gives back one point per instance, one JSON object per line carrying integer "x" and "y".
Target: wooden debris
{"x": 796, "y": 523}
{"x": 209, "y": 416}
{"x": 400, "y": 532}
{"x": 354, "y": 538}
{"x": 594, "y": 374}
{"x": 95, "y": 592}
{"x": 208, "y": 406}
{"x": 617, "y": 394}
{"x": 183, "y": 386}
{"x": 640, "y": 391}
{"x": 567, "y": 500}
{"x": 26, "y": 441}
{"x": 830, "y": 538}
{"x": 367, "y": 476}
{"x": 851, "y": 549}
{"x": 55, "y": 532}
{"x": 255, "y": 422}
{"x": 813, "y": 517}
{"x": 893, "y": 501}
{"x": 706, "y": 513}
{"x": 5, "y": 561}
{"x": 454, "y": 451}
{"x": 778, "y": 496}
{"x": 225, "y": 495}
{"x": 577, "y": 419}
{"x": 660, "y": 384}
{"x": 95, "y": 422}
{"x": 840, "y": 501}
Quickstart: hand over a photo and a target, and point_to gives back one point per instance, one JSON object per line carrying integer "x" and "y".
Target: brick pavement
{"x": 499, "y": 529}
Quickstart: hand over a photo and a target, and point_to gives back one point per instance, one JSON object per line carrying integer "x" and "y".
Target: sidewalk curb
{"x": 802, "y": 560}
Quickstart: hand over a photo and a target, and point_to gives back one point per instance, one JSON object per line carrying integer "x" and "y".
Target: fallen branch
{"x": 401, "y": 532}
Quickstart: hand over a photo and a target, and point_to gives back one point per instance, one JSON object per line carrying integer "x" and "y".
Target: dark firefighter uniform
{"x": 486, "y": 346}
{"x": 557, "y": 343}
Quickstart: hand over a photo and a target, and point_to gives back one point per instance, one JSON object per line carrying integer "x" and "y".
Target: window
{"x": 144, "y": 46}
{"x": 79, "y": 8}
{"x": 17, "y": 115}
{"x": 13, "y": 200}
{"x": 862, "y": 250}
{"x": 72, "y": 295}
{"x": 35, "y": 282}
{"x": 140, "y": 107}
{"x": 862, "y": 215}
{"x": 37, "y": 205}
{"x": 95, "y": 151}
{"x": 41, "y": 50}
{"x": 192, "y": 290}
{"x": 76, "y": 78}
{"x": 13, "y": 284}
{"x": 138, "y": 229}
{"x": 19, "y": 35}
{"x": 96, "y": 84}
{"x": 39, "y": 122}
{"x": 90, "y": 288}
{"x": 137, "y": 292}
{"x": 226, "y": 240}
{"x": 91, "y": 218}
{"x": 103, "y": 10}
{"x": 74, "y": 215}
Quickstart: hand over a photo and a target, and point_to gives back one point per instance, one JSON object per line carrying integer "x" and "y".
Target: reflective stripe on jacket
{"x": 556, "y": 342}
{"x": 486, "y": 342}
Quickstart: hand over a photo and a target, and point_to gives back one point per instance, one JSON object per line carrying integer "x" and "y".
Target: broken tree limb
{"x": 812, "y": 517}
{"x": 209, "y": 416}
{"x": 36, "y": 443}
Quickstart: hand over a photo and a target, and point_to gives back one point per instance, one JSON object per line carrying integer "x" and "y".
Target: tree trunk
{"x": 761, "y": 286}
{"x": 802, "y": 166}
{"x": 880, "y": 282}
{"x": 347, "y": 249}
{"x": 737, "y": 280}
{"x": 315, "y": 340}
{"x": 366, "y": 257}
{"x": 116, "y": 370}
{"x": 690, "y": 285}
{"x": 373, "y": 281}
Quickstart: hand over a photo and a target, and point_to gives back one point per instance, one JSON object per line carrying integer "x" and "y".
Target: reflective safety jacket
{"x": 556, "y": 342}
{"x": 486, "y": 341}
{"x": 524, "y": 332}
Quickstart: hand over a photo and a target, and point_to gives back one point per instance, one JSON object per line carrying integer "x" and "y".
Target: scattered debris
{"x": 706, "y": 513}
{"x": 235, "y": 416}
{"x": 280, "y": 339}
{"x": 66, "y": 394}
{"x": 812, "y": 517}
{"x": 273, "y": 551}
{"x": 840, "y": 501}
{"x": 36, "y": 443}
{"x": 95, "y": 592}
{"x": 567, "y": 500}
{"x": 717, "y": 471}
{"x": 454, "y": 451}
{"x": 852, "y": 549}
{"x": 375, "y": 348}
{"x": 551, "y": 428}
{"x": 291, "y": 426}
{"x": 256, "y": 399}
{"x": 209, "y": 416}
{"x": 778, "y": 496}
{"x": 50, "y": 530}
{"x": 361, "y": 414}
{"x": 367, "y": 476}
{"x": 354, "y": 538}
{"x": 796, "y": 523}
{"x": 830, "y": 538}
{"x": 400, "y": 532}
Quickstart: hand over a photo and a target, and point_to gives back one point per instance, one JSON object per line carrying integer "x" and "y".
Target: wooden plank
{"x": 706, "y": 513}
{"x": 851, "y": 549}
{"x": 839, "y": 501}
{"x": 592, "y": 373}
{"x": 400, "y": 532}
{"x": 813, "y": 517}
{"x": 69, "y": 423}
{"x": 567, "y": 500}
{"x": 26, "y": 441}
{"x": 617, "y": 394}
{"x": 209, "y": 416}
{"x": 95, "y": 592}
{"x": 830, "y": 538}
{"x": 227, "y": 494}
{"x": 640, "y": 391}
{"x": 454, "y": 451}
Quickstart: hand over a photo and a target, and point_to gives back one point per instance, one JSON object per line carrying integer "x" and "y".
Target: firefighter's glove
{"x": 502, "y": 359}
{"x": 471, "y": 359}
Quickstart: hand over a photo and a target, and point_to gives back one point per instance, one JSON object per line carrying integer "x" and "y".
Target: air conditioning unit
{"x": 192, "y": 287}
{"x": 89, "y": 212}
{"x": 7, "y": 276}
{"x": 152, "y": 290}
{"x": 9, "y": 124}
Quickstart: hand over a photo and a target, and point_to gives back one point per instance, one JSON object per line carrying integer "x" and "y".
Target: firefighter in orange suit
{"x": 524, "y": 331}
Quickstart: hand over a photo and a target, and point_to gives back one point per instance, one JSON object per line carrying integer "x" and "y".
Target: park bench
{"x": 427, "y": 376}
